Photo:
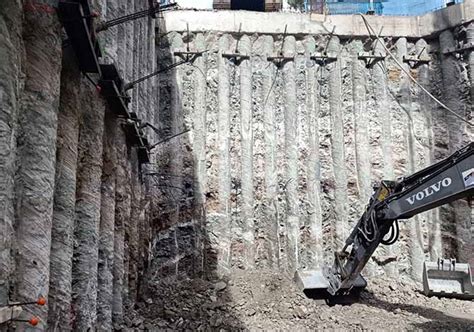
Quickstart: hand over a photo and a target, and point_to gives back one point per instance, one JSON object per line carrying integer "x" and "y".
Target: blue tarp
{"x": 345, "y": 8}
{"x": 386, "y": 7}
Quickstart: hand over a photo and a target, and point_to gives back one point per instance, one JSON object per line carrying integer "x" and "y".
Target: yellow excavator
{"x": 444, "y": 182}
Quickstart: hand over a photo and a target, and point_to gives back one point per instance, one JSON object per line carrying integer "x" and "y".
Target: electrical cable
{"x": 372, "y": 31}
{"x": 277, "y": 70}
{"x": 131, "y": 17}
{"x": 168, "y": 139}
{"x": 130, "y": 85}
{"x": 271, "y": 88}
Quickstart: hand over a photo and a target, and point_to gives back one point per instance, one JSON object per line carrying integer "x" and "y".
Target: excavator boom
{"x": 441, "y": 183}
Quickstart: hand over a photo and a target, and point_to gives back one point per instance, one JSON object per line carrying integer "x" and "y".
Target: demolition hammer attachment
{"x": 447, "y": 278}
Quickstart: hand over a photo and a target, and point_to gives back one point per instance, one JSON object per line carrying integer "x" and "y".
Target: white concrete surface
{"x": 343, "y": 25}
{"x": 197, "y": 4}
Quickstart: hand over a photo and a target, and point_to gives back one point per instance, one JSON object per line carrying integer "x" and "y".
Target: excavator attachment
{"x": 315, "y": 285}
{"x": 447, "y": 278}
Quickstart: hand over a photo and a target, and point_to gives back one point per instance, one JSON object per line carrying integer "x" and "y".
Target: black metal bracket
{"x": 113, "y": 89}
{"x": 188, "y": 56}
{"x": 236, "y": 58}
{"x": 137, "y": 138}
{"x": 371, "y": 58}
{"x": 415, "y": 61}
{"x": 76, "y": 17}
{"x": 280, "y": 60}
{"x": 459, "y": 49}
{"x": 323, "y": 58}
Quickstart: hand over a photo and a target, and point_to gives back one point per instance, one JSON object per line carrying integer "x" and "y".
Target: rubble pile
{"x": 266, "y": 300}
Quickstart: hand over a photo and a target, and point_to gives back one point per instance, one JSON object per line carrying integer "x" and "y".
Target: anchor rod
{"x": 135, "y": 16}
{"x": 130, "y": 85}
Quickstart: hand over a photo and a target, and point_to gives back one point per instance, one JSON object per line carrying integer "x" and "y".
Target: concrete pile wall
{"x": 74, "y": 207}
{"x": 273, "y": 170}
{"x": 281, "y": 157}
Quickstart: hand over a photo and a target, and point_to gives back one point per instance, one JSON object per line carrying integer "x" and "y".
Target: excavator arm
{"x": 442, "y": 183}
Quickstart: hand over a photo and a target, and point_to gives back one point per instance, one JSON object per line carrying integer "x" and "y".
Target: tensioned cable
{"x": 372, "y": 31}
{"x": 134, "y": 16}
{"x": 130, "y": 85}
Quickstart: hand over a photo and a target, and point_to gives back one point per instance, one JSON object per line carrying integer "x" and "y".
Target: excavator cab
{"x": 447, "y": 278}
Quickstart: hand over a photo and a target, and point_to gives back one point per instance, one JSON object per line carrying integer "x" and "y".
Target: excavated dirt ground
{"x": 264, "y": 300}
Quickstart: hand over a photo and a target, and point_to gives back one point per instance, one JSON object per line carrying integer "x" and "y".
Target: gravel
{"x": 266, "y": 300}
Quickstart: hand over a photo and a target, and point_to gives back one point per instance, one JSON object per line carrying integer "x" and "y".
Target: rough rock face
{"x": 35, "y": 153}
{"x": 293, "y": 148}
{"x": 271, "y": 166}
{"x": 11, "y": 84}
{"x": 72, "y": 195}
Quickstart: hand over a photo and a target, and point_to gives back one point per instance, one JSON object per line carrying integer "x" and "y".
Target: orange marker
{"x": 33, "y": 321}
{"x": 41, "y": 301}
{"x": 98, "y": 88}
